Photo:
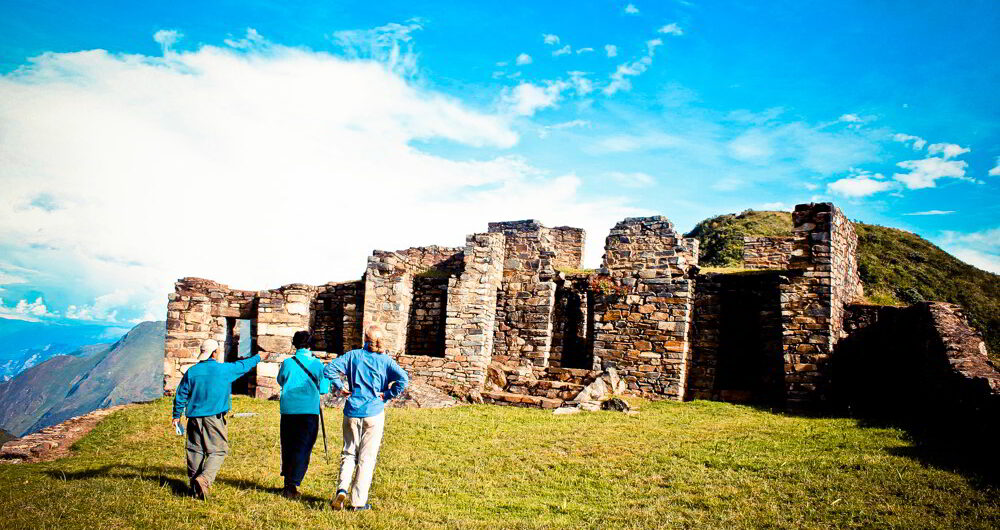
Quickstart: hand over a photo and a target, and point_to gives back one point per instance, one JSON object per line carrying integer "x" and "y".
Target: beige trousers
{"x": 362, "y": 439}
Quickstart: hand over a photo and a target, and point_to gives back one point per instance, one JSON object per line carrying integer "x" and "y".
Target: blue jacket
{"x": 298, "y": 393}
{"x": 206, "y": 387}
{"x": 368, "y": 375}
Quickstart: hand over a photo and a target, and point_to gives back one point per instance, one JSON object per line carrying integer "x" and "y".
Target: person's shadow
{"x": 166, "y": 476}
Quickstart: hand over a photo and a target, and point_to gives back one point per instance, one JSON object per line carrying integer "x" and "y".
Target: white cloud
{"x": 11, "y": 279}
{"x": 916, "y": 142}
{"x": 255, "y": 166}
{"x": 620, "y": 78}
{"x": 550, "y": 39}
{"x": 631, "y": 9}
{"x": 104, "y": 308}
{"x": 947, "y": 150}
{"x": 391, "y": 44}
{"x": 581, "y": 84}
{"x": 671, "y": 29}
{"x": 932, "y": 212}
{"x": 779, "y": 206}
{"x": 611, "y": 50}
{"x": 995, "y": 172}
{"x": 565, "y": 50}
{"x": 860, "y": 184}
{"x": 632, "y": 180}
{"x": 850, "y": 118}
{"x": 546, "y": 129}
{"x": 167, "y": 38}
{"x": 527, "y": 98}
{"x": 523, "y": 59}
{"x": 25, "y": 310}
{"x": 981, "y": 249}
{"x": 584, "y": 50}
{"x": 926, "y": 172}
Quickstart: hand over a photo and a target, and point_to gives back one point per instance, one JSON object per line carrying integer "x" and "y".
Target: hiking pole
{"x": 322, "y": 424}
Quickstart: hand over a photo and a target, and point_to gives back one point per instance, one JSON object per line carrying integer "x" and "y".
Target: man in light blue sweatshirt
{"x": 203, "y": 395}
{"x": 372, "y": 379}
{"x": 302, "y": 383}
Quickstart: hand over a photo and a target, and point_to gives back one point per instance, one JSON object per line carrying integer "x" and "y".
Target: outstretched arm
{"x": 396, "y": 381}
{"x": 238, "y": 368}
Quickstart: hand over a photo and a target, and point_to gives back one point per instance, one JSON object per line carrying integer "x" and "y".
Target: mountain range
{"x": 92, "y": 377}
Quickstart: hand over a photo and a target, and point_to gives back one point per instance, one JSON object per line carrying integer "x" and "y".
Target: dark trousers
{"x": 298, "y": 435}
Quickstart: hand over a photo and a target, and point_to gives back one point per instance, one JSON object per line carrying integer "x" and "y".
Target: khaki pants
{"x": 207, "y": 446}
{"x": 362, "y": 439}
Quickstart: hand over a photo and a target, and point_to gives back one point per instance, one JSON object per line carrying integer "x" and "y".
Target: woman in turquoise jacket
{"x": 302, "y": 382}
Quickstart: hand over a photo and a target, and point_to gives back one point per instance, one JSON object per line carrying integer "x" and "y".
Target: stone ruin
{"x": 511, "y": 318}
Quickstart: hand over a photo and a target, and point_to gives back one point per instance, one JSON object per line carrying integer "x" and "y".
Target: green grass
{"x": 570, "y": 271}
{"x": 699, "y": 464}
{"x": 896, "y": 267}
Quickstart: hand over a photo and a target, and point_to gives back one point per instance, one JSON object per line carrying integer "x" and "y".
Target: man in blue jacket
{"x": 204, "y": 397}
{"x": 372, "y": 379}
{"x": 302, "y": 382}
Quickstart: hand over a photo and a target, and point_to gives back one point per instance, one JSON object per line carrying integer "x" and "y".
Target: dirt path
{"x": 52, "y": 443}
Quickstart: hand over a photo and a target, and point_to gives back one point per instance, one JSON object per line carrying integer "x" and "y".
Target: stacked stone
{"x": 706, "y": 328}
{"x": 643, "y": 331}
{"x": 196, "y": 312}
{"x": 444, "y": 259}
{"x": 527, "y": 293}
{"x": 470, "y": 315}
{"x": 336, "y": 322}
{"x": 767, "y": 252}
{"x": 812, "y": 300}
{"x": 568, "y": 243}
{"x": 388, "y": 293}
{"x": 280, "y": 313}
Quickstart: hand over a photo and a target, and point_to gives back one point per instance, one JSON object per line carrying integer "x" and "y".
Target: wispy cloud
{"x": 981, "y": 249}
{"x": 995, "y": 172}
{"x": 391, "y": 44}
{"x": 932, "y": 212}
{"x": 550, "y": 39}
{"x": 620, "y": 78}
{"x": 632, "y": 180}
{"x": 584, "y": 50}
{"x": 916, "y": 142}
{"x": 611, "y": 50}
{"x": 671, "y": 29}
{"x": 925, "y": 173}
{"x": 523, "y": 59}
{"x": 947, "y": 150}
{"x": 565, "y": 50}
{"x": 631, "y": 9}
{"x": 860, "y": 184}
{"x": 527, "y": 98}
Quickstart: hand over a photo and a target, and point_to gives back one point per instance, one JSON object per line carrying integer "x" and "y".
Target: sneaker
{"x": 359, "y": 508}
{"x": 339, "y": 500}
{"x": 201, "y": 488}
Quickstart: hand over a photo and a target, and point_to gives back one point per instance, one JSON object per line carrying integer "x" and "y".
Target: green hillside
{"x": 5, "y": 436}
{"x": 685, "y": 465}
{"x": 897, "y": 267}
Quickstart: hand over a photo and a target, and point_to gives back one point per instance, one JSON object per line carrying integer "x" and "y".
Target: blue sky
{"x": 261, "y": 143}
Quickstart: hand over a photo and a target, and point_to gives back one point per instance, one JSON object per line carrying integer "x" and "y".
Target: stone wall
{"x": 568, "y": 243}
{"x": 919, "y": 364}
{"x": 425, "y": 329}
{"x": 527, "y": 294}
{"x": 643, "y": 307}
{"x": 767, "y": 252}
{"x": 572, "y": 324}
{"x": 336, "y": 318}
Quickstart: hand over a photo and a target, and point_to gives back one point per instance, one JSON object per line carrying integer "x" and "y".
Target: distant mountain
{"x": 897, "y": 267}
{"x": 94, "y": 377}
{"x": 20, "y": 348}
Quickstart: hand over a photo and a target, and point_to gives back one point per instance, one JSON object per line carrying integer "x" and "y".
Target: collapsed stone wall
{"x": 767, "y": 252}
{"x": 642, "y": 315}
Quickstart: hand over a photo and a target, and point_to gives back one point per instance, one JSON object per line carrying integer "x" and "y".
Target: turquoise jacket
{"x": 368, "y": 375}
{"x": 298, "y": 393}
{"x": 206, "y": 387}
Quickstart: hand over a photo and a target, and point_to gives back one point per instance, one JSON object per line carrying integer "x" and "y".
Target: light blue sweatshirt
{"x": 298, "y": 393}
{"x": 206, "y": 387}
{"x": 368, "y": 375}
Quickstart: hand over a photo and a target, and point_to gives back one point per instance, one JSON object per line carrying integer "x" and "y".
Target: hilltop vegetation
{"x": 896, "y": 267}
{"x": 5, "y": 436}
{"x": 697, "y": 464}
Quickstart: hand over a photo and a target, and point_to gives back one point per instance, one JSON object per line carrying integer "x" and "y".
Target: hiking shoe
{"x": 201, "y": 488}
{"x": 290, "y": 492}
{"x": 339, "y": 499}
{"x": 359, "y": 508}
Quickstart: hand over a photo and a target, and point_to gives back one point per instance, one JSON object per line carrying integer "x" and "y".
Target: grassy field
{"x": 699, "y": 464}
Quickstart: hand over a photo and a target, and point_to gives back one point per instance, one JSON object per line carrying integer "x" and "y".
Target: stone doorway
{"x": 240, "y": 345}
{"x": 425, "y": 326}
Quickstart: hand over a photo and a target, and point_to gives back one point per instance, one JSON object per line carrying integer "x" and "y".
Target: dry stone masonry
{"x": 512, "y": 318}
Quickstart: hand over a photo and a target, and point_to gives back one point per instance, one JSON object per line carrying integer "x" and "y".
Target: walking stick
{"x": 322, "y": 424}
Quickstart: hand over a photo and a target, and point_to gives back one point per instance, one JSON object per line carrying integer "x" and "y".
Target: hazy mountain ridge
{"x": 94, "y": 377}
{"x": 897, "y": 267}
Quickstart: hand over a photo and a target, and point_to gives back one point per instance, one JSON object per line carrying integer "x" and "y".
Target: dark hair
{"x": 301, "y": 339}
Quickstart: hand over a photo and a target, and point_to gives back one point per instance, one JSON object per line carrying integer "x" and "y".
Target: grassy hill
{"x": 5, "y": 436}
{"x": 698, "y": 464}
{"x": 897, "y": 267}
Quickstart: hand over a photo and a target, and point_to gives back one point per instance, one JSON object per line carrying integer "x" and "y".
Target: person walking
{"x": 372, "y": 379}
{"x": 302, "y": 383}
{"x": 204, "y": 396}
